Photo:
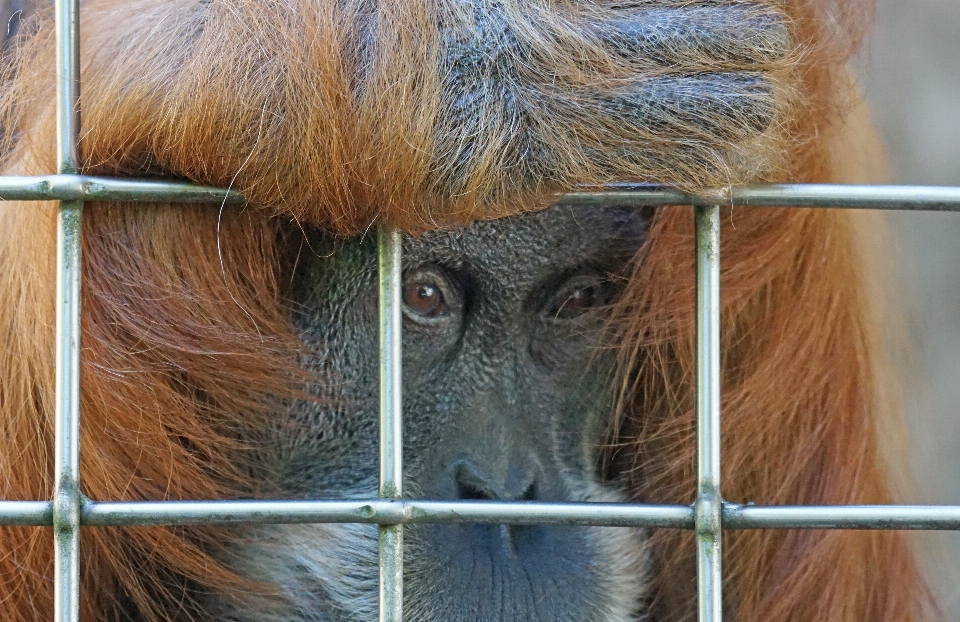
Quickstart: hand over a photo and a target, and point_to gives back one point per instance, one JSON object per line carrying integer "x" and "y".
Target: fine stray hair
{"x": 328, "y": 113}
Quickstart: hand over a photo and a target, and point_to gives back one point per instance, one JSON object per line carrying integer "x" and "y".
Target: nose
{"x": 504, "y": 480}
{"x": 501, "y": 480}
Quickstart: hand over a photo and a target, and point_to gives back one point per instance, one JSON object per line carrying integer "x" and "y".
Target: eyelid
{"x": 448, "y": 286}
{"x": 552, "y": 304}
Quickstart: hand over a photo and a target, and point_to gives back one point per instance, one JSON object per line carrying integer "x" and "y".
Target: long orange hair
{"x": 186, "y": 341}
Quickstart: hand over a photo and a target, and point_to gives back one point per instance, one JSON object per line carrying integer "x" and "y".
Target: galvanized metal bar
{"x": 383, "y": 512}
{"x": 66, "y": 500}
{"x": 66, "y": 496}
{"x": 390, "y": 245}
{"x": 388, "y": 512}
{"x": 915, "y": 198}
{"x": 67, "y": 23}
{"x": 35, "y": 513}
{"x": 913, "y": 517}
{"x": 86, "y": 188}
{"x": 708, "y": 504}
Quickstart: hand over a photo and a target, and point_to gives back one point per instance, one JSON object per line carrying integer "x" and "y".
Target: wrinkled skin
{"x": 506, "y": 397}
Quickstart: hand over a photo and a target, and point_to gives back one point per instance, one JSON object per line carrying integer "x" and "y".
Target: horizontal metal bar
{"x": 84, "y": 188}
{"x": 920, "y": 517}
{"x": 918, "y": 198}
{"x": 626, "y": 195}
{"x": 37, "y": 513}
{"x": 386, "y": 512}
{"x": 391, "y": 512}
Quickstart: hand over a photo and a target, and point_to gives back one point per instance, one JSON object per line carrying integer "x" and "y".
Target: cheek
{"x": 321, "y": 452}
{"x": 572, "y": 374}
{"x": 326, "y": 445}
{"x": 330, "y": 571}
{"x": 564, "y": 349}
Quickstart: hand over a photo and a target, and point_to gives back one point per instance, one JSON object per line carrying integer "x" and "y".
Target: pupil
{"x": 580, "y": 300}
{"x": 423, "y": 298}
{"x": 582, "y": 297}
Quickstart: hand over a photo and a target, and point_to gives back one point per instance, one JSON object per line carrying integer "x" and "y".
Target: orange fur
{"x": 187, "y": 345}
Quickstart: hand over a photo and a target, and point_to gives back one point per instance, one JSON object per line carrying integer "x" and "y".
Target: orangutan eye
{"x": 424, "y": 299}
{"x": 577, "y": 296}
{"x": 424, "y": 295}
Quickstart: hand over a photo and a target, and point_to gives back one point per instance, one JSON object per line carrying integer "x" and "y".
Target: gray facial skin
{"x": 506, "y": 396}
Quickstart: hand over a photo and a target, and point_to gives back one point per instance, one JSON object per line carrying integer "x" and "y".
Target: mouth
{"x": 460, "y": 573}
{"x": 452, "y": 573}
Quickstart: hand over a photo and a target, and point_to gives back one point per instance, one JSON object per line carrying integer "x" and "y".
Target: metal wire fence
{"x": 709, "y": 515}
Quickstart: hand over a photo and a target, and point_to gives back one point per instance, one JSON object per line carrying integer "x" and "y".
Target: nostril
{"x": 498, "y": 484}
{"x": 530, "y": 494}
{"x": 469, "y": 492}
{"x": 471, "y": 485}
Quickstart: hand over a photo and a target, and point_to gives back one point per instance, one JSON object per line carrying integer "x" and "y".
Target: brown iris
{"x": 424, "y": 299}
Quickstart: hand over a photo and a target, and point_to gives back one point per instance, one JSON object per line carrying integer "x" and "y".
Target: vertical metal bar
{"x": 66, "y": 500}
{"x": 391, "y": 428}
{"x": 68, "y": 83}
{"x": 709, "y": 502}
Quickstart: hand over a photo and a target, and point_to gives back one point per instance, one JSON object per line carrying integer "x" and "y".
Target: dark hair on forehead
{"x": 336, "y": 112}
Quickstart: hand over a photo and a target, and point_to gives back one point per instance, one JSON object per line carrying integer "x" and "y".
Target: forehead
{"x": 536, "y": 241}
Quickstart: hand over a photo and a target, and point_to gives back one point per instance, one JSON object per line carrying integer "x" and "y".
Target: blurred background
{"x": 910, "y": 73}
